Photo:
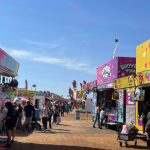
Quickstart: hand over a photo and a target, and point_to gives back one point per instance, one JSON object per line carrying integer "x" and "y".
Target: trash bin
{"x": 77, "y": 115}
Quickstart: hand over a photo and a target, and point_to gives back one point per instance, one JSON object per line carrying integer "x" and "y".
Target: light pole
{"x": 116, "y": 46}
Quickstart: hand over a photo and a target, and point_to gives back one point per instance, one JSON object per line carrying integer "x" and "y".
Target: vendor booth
{"x": 142, "y": 83}
{"x": 125, "y": 87}
{"x": 106, "y": 95}
{"x": 8, "y": 84}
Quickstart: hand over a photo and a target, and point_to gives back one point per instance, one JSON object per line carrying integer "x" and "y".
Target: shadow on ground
{"x": 23, "y": 133}
{"x": 64, "y": 124}
{"x": 25, "y": 146}
{"x": 31, "y": 146}
{"x": 54, "y": 131}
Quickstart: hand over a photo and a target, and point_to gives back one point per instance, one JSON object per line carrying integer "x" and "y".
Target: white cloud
{"x": 48, "y": 60}
{"x": 19, "y": 53}
{"x": 36, "y": 43}
{"x": 72, "y": 64}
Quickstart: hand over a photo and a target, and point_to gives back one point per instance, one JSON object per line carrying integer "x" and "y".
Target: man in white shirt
{"x": 45, "y": 115}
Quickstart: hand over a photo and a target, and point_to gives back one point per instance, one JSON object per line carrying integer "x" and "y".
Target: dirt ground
{"x": 71, "y": 134}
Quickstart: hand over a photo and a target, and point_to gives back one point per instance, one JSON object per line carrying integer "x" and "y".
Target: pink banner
{"x": 107, "y": 72}
{"x": 115, "y": 68}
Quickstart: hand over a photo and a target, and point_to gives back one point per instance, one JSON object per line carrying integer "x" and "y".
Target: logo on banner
{"x": 106, "y": 73}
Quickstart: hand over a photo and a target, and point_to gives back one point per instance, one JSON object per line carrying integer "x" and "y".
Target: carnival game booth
{"x": 142, "y": 80}
{"x": 8, "y": 71}
{"x": 113, "y": 69}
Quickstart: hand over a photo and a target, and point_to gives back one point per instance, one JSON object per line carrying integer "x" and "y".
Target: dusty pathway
{"x": 71, "y": 135}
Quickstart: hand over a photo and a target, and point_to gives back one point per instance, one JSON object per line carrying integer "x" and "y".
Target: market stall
{"x": 125, "y": 87}
{"x": 116, "y": 68}
{"x": 8, "y": 84}
{"x": 142, "y": 82}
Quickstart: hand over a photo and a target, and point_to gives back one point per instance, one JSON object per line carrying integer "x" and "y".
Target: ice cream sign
{"x": 106, "y": 73}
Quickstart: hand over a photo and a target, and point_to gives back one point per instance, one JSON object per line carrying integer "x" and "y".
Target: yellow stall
{"x": 142, "y": 81}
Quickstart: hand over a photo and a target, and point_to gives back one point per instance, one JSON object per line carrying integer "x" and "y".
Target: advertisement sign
{"x": 130, "y": 96}
{"x": 143, "y": 57}
{"x": 124, "y": 82}
{"x": 107, "y": 72}
{"x": 117, "y": 68}
{"x": 126, "y": 66}
{"x": 142, "y": 78}
{"x": 130, "y": 113}
{"x": 130, "y": 105}
{"x": 8, "y": 64}
{"x": 120, "y": 106}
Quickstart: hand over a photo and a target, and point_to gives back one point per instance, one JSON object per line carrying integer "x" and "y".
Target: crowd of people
{"x": 28, "y": 118}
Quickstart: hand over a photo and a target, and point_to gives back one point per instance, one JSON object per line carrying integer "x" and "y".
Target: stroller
{"x": 130, "y": 135}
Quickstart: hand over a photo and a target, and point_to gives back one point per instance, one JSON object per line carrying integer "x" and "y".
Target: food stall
{"x": 116, "y": 68}
{"x": 125, "y": 87}
{"x": 142, "y": 81}
{"x": 8, "y": 84}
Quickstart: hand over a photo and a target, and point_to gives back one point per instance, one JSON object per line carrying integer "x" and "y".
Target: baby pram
{"x": 130, "y": 136}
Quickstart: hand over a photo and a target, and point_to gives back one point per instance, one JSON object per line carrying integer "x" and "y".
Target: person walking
{"x": 97, "y": 118}
{"x": 29, "y": 110}
{"x": 45, "y": 115}
{"x": 20, "y": 117}
{"x": 10, "y": 123}
{"x": 50, "y": 114}
{"x": 15, "y": 120}
{"x": 62, "y": 110}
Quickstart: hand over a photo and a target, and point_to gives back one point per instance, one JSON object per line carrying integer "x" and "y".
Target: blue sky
{"x": 57, "y": 41}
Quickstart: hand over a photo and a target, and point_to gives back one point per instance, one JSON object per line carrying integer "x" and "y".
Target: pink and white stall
{"x": 106, "y": 95}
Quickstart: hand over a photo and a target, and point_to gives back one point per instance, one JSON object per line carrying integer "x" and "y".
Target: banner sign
{"x": 120, "y": 106}
{"x": 116, "y": 68}
{"x": 130, "y": 96}
{"x": 124, "y": 82}
{"x": 107, "y": 72}
{"x": 8, "y": 65}
{"x": 89, "y": 86}
{"x": 126, "y": 66}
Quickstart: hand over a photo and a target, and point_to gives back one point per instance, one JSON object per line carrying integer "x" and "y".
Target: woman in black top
{"x": 11, "y": 121}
